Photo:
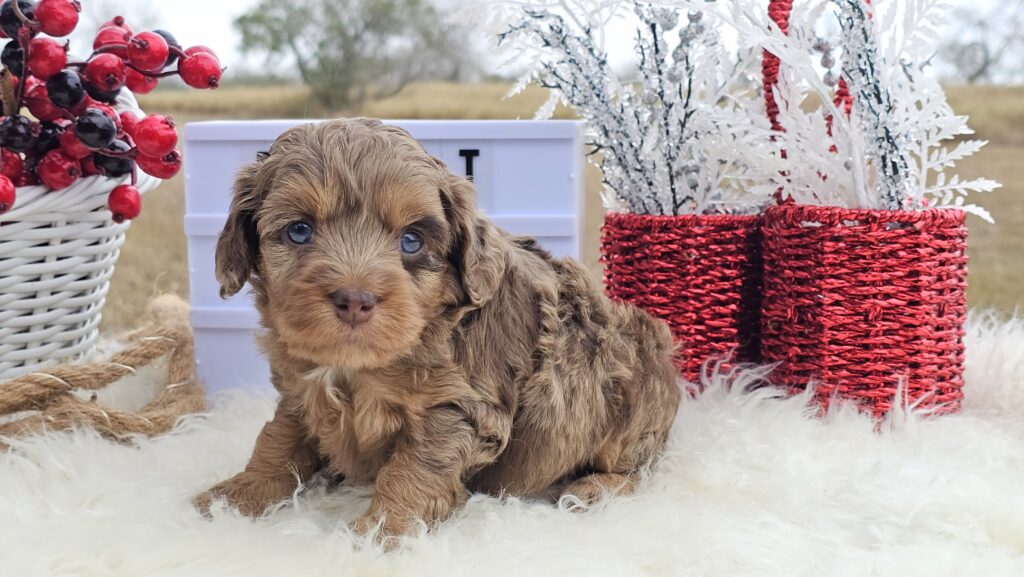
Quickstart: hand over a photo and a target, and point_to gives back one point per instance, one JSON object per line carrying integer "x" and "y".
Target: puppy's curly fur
{"x": 485, "y": 364}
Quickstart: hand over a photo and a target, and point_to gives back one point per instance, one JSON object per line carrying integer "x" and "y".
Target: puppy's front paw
{"x": 203, "y": 501}
{"x": 384, "y": 529}
{"x": 591, "y": 489}
{"x": 250, "y": 494}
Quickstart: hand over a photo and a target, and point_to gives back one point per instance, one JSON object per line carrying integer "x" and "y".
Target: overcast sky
{"x": 210, "y": 22}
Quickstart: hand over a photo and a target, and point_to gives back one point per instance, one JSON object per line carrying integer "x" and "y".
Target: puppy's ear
{"x": 238, "y": 245}
{"x": 477, "y": 250}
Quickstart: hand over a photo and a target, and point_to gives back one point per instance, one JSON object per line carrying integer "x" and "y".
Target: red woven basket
{"x": 700, "y": 273}
{"x": 868, "y": 304}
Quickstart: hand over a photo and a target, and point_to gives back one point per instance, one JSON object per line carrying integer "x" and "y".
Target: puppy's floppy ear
{"x": 238, "y": 245}
{"x": 477, "y": 247}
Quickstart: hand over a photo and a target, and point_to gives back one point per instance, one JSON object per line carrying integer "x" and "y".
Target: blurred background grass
{"x": 154, "y": 259}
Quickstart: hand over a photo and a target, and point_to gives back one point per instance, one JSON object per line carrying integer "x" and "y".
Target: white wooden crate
{"x": 529, "y": 177}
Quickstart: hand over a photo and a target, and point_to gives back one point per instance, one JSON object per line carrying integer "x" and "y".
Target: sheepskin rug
{"x": 751, "y": 484}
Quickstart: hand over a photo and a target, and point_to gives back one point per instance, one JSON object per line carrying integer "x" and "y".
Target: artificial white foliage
{"x": 899, "y": 147}
{"x": 686, "y": 135}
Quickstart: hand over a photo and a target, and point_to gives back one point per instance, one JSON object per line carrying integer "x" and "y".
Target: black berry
{"x": 16, "y": 133}
{"x": 13, "y": 58}
{"x": 65, "y": 89}
{"x": 110, "y": 97}
{"x": 172, "y": 42}
{"x": 31, "y": 162}
{"x": 9, "y": 21}
{"x": 48, "y": 139}
{"x": 114, "y": 166}
{"x": 95, "y": 129}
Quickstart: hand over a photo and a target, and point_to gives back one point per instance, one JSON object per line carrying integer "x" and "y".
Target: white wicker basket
{"x": 57, "y": 254}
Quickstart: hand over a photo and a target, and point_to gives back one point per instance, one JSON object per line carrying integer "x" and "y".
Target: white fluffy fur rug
{"x": 751, "y": 485}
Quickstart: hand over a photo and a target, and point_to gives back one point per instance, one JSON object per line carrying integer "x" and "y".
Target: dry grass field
{"x": 154, "y": 259}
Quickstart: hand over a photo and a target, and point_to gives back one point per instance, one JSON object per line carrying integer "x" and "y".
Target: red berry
{"x": 139, "y": 83}
{"x": 173, "y": 45}
{"x": 125, "y": 203}
{"x": 129, "y": 120}
{"x": 58, "y": 17}
{"x": 112, "y": 36}
{"x": 11, "y": 164}
{"x": 89, "y": 167}
{"x": 46, "y": 57}
{"x": 155, "y": 135}
{"x": 148, "y": 51}
{"x": 118, "y": 22}
{"x": 199, "y": 49}
{"x": 30, "y": 83}
{"x": 8, "y": 193}
{"x": 39, "y": 104}
{"x": 164, "y": 167}
{"x": 58, "y": 170}
{"x": 106, "y": 72}
{"x": 73, "y": 147}
{"x": 200, "y": 70}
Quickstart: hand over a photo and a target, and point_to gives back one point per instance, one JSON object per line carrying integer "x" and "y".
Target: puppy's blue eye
{"x": 299, "y": 233}
{"x": 411, "y": 242}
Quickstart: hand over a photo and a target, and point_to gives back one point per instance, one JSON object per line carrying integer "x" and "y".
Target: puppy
{"x": 418, "y": 348}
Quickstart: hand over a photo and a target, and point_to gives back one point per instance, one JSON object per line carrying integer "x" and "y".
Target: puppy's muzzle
{"x": 354, "y": 307}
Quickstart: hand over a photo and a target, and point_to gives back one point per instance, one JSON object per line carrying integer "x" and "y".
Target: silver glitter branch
{"x": 579, "y": 74}
{"x": 675, "y": 140}
{"x": 873, "y": 104}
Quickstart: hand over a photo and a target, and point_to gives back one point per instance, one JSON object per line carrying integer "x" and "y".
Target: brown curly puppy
{"x": 417, "y": 347}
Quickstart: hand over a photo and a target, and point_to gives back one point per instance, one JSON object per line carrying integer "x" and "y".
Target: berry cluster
{"x": 73, "y": 130}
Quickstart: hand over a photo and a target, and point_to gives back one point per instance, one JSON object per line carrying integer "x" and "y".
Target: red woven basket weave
{"x": 700, "y": 273}
{"x": 866, "y": 303}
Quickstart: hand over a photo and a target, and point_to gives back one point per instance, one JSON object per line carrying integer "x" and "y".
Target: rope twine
{"x": 699, "y": 273}
{"x": 49, "y": 394}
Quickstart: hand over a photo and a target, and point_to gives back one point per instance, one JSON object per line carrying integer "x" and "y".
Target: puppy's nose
{"x": 354, "y": 307}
